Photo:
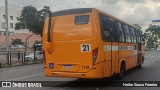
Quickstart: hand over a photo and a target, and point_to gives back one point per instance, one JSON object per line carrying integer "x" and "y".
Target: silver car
{"x": 30, "y": 57}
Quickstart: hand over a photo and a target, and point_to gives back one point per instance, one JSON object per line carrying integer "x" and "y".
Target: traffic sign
{"x": 155, "y": 20}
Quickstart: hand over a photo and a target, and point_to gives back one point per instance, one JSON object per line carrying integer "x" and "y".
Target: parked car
{"x": 158, "y": 48}
{"x": 38, "y": 56}
{"x": 2, "y": 47}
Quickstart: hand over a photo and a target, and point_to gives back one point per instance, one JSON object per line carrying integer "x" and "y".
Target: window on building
{"x": 4, "y": 16}
{"x": 17, "y": 18}
{"x": 6, "y": 33}
{"x": 11, "y": 25}
{"x": 11, "y": 17}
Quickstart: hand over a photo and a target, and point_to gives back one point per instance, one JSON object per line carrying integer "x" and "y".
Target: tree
{"x": 19, "y": 26}
{"x": 32, "y": 19}
{"x": 17, "y": 41}
{"x": 152, "y": 36}
{"x": 40, "y": 19}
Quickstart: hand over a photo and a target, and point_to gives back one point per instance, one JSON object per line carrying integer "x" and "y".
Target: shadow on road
{"x": 105, "y": 82}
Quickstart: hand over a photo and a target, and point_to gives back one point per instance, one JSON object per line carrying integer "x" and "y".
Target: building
{"x": 13, "y": 18}
{"x": 23, "y": 37}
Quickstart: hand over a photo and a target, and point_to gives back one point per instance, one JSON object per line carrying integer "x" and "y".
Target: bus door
{"x": 139, "y": 49}
{"x": 139, "y": 54}
{"x": 106, "y": 36}
{"x": 110, "y": 45}
{"x": 114, "y": 47}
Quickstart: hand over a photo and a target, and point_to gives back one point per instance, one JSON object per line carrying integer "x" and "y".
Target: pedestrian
{"x": 18, "y": 55}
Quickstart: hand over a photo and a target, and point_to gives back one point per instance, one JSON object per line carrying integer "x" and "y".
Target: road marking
{"x": 25, "y": 77}
{"x": 31, "y": 67}
{"x": 152, "y": 56}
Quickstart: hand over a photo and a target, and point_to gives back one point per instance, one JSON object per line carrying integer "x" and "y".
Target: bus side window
{"x": 83, "y": 19}
{"x": 131, "y": 34}
{"x": 142, "y": 37}
{"x": 113, "y": 30}
{"x": 137, "y": 35}
{"x": 134, "y": 35}
{"x": 105, "y": 28}
{"x": 127, "y": 34}
{"x": 121, "y": 33}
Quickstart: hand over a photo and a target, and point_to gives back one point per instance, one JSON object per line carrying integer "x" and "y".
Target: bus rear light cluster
{"x": 94, "y": 54}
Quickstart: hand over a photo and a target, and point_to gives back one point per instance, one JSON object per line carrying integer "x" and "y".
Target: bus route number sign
{"x": 85, "y": 47}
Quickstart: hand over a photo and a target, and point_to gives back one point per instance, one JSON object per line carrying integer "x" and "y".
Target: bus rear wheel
{"x": 139, "y": 66}
{"x": 122, "y": 71}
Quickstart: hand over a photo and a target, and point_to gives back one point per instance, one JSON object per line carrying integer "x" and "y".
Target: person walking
{"x": 18, "y": 55}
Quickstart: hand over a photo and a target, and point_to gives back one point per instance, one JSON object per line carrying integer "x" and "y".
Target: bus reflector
{"x": 95, "y": 54}
{"x": 51, "y": 65}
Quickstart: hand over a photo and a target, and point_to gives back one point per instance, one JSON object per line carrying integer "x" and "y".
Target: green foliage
{"x": 32, "y": 19}
{"x": 152, "y": 36}
{"x": 19, "y": 26}
{"x": 17, "y": 42}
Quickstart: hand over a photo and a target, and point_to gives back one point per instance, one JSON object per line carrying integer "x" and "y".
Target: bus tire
{"x": 122, "y": 71}
{"x": 139, "y": 66}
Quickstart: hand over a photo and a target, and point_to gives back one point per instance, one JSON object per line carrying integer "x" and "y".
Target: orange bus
{"x": 89, "y": 43}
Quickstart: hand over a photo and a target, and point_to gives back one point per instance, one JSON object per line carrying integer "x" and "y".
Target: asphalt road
{"x": 149, "y": 72}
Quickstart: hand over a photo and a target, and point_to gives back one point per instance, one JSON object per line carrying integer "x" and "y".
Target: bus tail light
{"x": 44, "y": 57}
{"x": 94, "y": 54}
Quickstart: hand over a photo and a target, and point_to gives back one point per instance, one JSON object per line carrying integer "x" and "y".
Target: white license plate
{"x": 67, "y": 66}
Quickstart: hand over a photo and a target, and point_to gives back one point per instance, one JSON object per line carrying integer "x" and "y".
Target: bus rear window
{"x": 83, "y": 19}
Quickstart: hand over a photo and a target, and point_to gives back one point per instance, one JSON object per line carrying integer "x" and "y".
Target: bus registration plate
{"x": 67, "y": 66}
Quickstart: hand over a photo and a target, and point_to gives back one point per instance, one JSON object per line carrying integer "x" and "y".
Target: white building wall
{"x": 11, "y": 12}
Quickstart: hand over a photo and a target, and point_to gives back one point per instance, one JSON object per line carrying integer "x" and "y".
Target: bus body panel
{"x": 67, "y": 40}
{"x": 65, "y": 52}
{"x": 70, "y": 53}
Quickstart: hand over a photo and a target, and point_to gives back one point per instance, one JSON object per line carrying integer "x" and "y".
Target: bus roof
{"x": 72, "y": 11}
{"x": 116, "y": 18}
{"x": 87, "y": 10}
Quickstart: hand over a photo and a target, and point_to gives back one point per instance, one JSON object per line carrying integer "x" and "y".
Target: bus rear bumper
{"x": 95, "y": 72}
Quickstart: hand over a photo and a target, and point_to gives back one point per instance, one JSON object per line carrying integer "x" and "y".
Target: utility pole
{"x": 26, "y": 46}
{"x": 7, "y": 38}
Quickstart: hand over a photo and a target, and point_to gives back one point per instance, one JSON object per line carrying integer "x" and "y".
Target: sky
{"x": 140, "y": 12}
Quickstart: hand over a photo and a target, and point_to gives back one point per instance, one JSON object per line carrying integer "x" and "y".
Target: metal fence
{"x": 4, "y": 58}
{"x": 16, "y": 57}
{"x": 13, "y": 58}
